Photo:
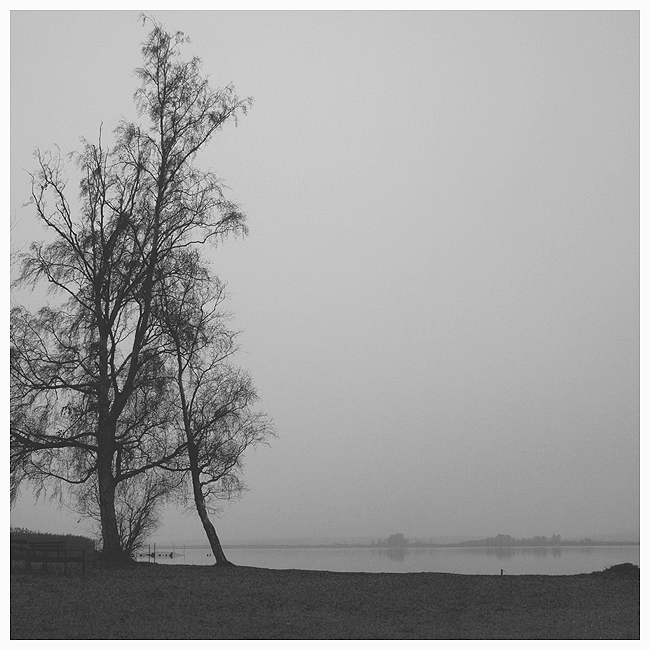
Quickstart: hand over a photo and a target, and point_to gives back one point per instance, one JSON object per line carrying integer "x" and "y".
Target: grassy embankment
{"x": 148, "y": 601}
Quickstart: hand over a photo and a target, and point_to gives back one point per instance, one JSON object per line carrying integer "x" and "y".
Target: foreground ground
{"x": 150, "y": 601}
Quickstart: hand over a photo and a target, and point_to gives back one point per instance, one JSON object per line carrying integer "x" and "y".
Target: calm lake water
{"x": 514, "y": 561}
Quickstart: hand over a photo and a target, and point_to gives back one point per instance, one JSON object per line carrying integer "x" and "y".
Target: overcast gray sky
{"x": 439, "y": 293}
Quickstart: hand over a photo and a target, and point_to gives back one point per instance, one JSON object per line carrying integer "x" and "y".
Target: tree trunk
{"x": 213, "y": 538}
{"x": 111, "y": 544}
{"x": 112, "y": 547}
{"x": 210, "y": 531}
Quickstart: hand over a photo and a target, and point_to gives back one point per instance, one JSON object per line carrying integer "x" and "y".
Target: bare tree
{"x": 86, "y": 373}
{"x": 215, "y": 399}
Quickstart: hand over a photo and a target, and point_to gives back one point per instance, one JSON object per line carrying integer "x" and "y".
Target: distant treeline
{"x": 72, "y": 541}
{"x": 554, "y": 540}
{"x": 399, "y": 541}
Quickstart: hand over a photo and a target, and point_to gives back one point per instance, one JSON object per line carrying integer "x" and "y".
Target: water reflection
{"x": 508, "y": 552}
{"x": 399, "y": 554}
{"x": 395, "y": 554}
{"x": 549, "y": 560}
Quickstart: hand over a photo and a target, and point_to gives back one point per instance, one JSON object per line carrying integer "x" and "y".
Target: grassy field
{"x": 148, "y": 601}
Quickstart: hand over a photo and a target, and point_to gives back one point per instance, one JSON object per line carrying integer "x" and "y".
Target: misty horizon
{"x": 623, "y": 536}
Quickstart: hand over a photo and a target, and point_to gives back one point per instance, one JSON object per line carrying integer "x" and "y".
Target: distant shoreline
{"x": 404, "y": 548}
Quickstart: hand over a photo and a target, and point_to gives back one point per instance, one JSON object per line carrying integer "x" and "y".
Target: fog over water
{"x": 439, "y": 295}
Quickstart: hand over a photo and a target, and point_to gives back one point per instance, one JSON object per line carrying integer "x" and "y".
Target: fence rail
{"x": 46, "y": 553}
